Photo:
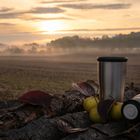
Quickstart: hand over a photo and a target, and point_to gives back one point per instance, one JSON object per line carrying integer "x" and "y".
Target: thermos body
{"x": 112, "y": 72}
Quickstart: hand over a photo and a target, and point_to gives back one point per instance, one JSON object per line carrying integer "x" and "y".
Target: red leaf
{"x": 36, "y": 97}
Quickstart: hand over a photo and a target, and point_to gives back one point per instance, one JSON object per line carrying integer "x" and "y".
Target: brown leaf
{"x": 88, "y": 88}
{"x": 104, "y": 108}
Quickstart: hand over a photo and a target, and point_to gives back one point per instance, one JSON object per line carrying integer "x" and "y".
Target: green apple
{"x": 90, "y": 102}
{"x": 94, "y": 115}
{"x": 115, "y": 112}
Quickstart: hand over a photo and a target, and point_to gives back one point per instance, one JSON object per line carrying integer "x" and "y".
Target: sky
{"x": 43, "y": 20}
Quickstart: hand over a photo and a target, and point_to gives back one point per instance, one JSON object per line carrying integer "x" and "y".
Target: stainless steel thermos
{"x": 112, "y": 72}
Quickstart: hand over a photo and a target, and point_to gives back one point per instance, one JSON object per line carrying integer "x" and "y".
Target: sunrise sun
{"x": 51, "y": 26}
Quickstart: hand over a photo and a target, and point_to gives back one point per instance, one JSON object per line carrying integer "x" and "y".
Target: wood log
{"x": 121, "y": 130}
{"x": 48, "y": 129}
{"x": 76, "y": 123}
{"x": 20, "y": 121}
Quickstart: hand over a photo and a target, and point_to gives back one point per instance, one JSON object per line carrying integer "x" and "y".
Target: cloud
{"x": 60, "y": 1}
{"x": 42, "y": 18}
{"x": 19, "y": 37}
{"x": 105, "y": 29}
{"x": 44, "y": 10}
{"x": 7, "y": 24}
{"x": 5, "y": 9}
{"x": 87, "y": 6}
{"x": 10, "y": 14}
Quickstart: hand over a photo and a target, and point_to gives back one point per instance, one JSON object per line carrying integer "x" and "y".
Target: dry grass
{"x": 54, "y": 74}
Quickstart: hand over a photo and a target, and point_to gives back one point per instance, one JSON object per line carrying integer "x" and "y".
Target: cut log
{"x": 90, "y": 134}
{"x": 110, "y": 131}
{"x": 47, "y": 129}
{"x": 61, "y": 119}
{"x": 76, "y": 123}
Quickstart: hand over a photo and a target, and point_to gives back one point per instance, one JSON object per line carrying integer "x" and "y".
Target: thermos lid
{"x": 130, "y": 111}
{"x": 112, "y": 59}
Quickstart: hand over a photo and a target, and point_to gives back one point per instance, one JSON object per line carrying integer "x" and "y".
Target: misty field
{"x": 55, "y": 74}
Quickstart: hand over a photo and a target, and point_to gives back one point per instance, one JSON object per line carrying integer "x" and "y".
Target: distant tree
{"x": 33, "y": 50}
{"x": 14, "y": 50}
{"x": 105, "y": 37}
{"x": 117, "y": 41}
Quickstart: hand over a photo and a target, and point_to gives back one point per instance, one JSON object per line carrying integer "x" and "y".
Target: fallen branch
{"x": 47, "y": 129}
{"x": 57, "y": 120}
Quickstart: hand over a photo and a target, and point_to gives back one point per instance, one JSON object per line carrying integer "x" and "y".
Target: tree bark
{"x": 48, "y": 129}
{"x": 62, "y": 119}
{"x": 73, "y": 126}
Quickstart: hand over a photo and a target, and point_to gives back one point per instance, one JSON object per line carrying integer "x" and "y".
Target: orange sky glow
{"x": 44, "y": 20}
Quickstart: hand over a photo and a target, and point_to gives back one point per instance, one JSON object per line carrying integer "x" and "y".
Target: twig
{"x": 126, "y": 131}
{"x": 99, "y": 130}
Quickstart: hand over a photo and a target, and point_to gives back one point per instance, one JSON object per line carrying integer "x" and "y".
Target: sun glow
{"x": 51, "y": 26}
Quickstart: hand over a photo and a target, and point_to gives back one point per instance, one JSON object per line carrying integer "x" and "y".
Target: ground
{"x": 19, "y": 74}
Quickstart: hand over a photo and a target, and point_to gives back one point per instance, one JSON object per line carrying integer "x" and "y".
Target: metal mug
{"x": 112, "y": 72}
